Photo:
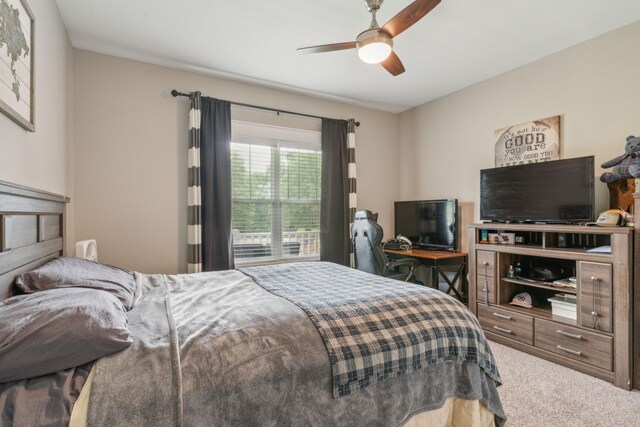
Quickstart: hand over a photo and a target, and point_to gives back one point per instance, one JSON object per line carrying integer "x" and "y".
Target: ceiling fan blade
{"x": 328, "y": 47}
{"x": 409, "y": 16}
{"x": 393, "y": 64}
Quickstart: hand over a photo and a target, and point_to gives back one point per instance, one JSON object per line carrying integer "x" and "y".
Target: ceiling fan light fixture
{"x": 374, "y": 46}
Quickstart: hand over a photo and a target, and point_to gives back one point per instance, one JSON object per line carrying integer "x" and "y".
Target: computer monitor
{"x": 429, "y": 224}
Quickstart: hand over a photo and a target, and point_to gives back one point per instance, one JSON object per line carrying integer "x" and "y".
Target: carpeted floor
{"x": 536, "y": 392}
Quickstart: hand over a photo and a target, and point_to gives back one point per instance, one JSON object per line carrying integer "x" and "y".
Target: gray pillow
{"x": 71, "y": 272}
{"x": 58, "y": 329}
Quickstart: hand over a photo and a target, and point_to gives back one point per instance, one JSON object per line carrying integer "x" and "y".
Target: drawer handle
{"x": 502, "y": 316}
{"x": 566, "y": 350}
{"x": 567, "y": 334}
{"x": 486, "y": 283}
{"x": 506, "y": 331}
{"x": 596, "y": 293}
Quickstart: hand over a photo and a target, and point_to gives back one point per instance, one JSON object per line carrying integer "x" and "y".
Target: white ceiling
{"x": 461, "y": 42}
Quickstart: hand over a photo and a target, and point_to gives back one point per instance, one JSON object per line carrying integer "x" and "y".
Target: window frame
{"x": 275, "y": 137}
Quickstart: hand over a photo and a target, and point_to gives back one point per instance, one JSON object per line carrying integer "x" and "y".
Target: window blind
{"x": 276, "y": 194}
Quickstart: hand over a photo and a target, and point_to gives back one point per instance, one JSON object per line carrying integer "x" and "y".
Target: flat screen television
{"x": 558, "y": 191}
{"x": 429, "y": 224}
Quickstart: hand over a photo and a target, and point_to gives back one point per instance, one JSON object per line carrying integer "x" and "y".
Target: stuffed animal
{"x": 625, "y": 166}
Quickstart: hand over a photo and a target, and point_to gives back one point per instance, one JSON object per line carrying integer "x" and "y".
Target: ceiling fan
{"x": 375, "y": 45}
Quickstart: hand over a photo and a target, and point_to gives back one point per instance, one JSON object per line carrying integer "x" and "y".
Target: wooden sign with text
{"x": 531, "y": 142}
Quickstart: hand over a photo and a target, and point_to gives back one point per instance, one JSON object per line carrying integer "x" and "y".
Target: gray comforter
{"x": 46, "y": 400}
{"x": 217, "y": 349}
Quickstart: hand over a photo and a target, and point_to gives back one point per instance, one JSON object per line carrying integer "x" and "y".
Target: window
{"x": 275, "y": 175}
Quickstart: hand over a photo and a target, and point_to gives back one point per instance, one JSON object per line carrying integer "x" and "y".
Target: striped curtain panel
{"x": 194, "y": 231}
{"x": 351, "y": 174}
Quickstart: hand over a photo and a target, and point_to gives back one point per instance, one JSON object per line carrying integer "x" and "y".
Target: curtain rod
{"x": 175, "y": 94}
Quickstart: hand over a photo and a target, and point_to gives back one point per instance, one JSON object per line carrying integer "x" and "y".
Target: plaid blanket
{"x": 375, "y": 328}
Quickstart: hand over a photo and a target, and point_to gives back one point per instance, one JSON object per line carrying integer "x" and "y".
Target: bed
{"x": 296, "y": 344}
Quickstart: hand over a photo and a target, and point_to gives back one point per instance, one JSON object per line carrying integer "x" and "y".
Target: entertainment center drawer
{"x": 506, "y": 323}
{"x": 575, "y": 343}
{"x": 574, "y": 335}
{"x": 488, "y": 283}
{"x": 486, "y": 261}
{"x": 595, "y": 287}
{"x": 486, "y": 276}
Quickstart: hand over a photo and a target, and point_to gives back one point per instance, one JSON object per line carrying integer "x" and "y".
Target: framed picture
{"x": 530, "y": 142}
{"x": 17, "y": 26}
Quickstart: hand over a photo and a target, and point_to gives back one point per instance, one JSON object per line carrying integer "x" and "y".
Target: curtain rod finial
{"x": 176, "y": 93}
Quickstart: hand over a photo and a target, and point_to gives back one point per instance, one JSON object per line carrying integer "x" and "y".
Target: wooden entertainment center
{"x": 600, "y": 340}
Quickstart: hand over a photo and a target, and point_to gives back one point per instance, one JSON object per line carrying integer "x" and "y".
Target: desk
{"x": 437, "y": 259}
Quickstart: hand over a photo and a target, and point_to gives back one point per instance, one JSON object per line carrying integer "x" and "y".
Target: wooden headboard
{"x": 31, "y": 230}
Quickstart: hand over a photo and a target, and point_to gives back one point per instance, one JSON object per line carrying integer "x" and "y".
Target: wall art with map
{"x": 530, "y": 142}
{"x": 17, "y": 26}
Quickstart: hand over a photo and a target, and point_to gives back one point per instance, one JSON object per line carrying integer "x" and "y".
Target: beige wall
{"x": 594, "y": 86}
{"x": 130, "y": 155}
{"x": 129, "y": 152}
{"x": 39, "y": 159}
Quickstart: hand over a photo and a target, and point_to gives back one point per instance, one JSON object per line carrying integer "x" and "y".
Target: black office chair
{"x": 366, "y": 236}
